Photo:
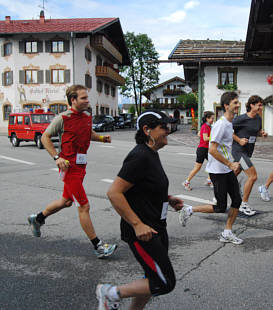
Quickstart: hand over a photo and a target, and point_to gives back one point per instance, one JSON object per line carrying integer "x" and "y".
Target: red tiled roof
{"x": 53, "y": 25}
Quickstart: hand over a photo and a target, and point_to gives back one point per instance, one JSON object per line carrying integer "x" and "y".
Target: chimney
{"x": 42, "y": 17}
{"x": 7, "y": 21}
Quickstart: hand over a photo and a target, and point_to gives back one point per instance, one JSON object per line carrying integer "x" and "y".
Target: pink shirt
{"x": 205, "y": 128}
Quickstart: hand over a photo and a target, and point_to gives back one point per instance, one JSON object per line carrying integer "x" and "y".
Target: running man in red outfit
{"x": 74, "y": 128}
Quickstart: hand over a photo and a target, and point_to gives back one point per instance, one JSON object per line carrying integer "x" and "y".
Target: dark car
{"x": 129, "y": 120}
{"x": 119, "y": 122}
{"x": 103, "y": 123}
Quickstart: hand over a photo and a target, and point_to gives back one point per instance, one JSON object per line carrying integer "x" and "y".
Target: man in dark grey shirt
{"x": 246, "y": 129}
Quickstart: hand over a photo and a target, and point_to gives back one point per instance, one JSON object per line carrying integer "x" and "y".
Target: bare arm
{"x": 121, "y": 205}
{"x": 214, "y": 152}
{"x": 99, "y": 138}
{"x": 241, "y": 141}
{"x": 47, "y": 143}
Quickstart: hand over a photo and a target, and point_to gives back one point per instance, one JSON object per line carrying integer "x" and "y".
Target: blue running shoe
{"x": 105, "y": 249}
{"x": 35, "y": 226}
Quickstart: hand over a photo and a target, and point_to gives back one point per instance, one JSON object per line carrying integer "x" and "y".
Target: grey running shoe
{"x": 104, "y": 302}
{"x": 230, "y": 238}
{"x": 105, "y": 249}
{"x": 35, "y": 226}
{"x": 184, "y": 215}
{"x": 264, "y": 193}
{"x": 244, "y": 208}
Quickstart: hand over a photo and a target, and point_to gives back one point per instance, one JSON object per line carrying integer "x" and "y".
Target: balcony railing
{"x": 106, "y": 48}
{"x": 172, "y": 92}
{"x": 110, "y": 75}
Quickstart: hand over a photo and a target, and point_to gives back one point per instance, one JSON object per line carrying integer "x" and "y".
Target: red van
{"x": 28, "y": 126}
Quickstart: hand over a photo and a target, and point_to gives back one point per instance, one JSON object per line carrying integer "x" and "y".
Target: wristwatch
{"x": 56, "y": 157}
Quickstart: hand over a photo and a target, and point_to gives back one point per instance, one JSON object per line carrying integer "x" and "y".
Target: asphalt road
{"x": 60, "y": 271}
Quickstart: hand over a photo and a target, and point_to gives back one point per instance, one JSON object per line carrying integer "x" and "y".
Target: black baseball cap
{"x": 152, "y": 117}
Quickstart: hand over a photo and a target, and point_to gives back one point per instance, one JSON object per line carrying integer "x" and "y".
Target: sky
{"x": 165, "y": 22}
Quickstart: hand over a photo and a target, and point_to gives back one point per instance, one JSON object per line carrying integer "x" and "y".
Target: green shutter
{"x": 48, "y": 77}
{"x": 22, "y": 76}
{"x": 67, "y": 76}
{"x": 66, "y": 45}
{"x": 40, "y": 77}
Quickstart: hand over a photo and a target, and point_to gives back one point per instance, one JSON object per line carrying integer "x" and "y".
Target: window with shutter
{"x": 6, "y": 111}
{"x": 7, "y": 49}
{"x": 57, "y": 46}
{"x": 31, "y": 47}
{"x": 31, "y": 76}
{"x": 7, "y": 78}
{"x": 57, "y": 76}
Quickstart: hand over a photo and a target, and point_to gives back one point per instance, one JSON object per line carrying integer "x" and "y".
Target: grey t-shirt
{"x": 246, "y": 127}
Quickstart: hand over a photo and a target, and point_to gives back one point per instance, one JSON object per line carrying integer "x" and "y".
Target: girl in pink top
{"x": 202, "y": 149}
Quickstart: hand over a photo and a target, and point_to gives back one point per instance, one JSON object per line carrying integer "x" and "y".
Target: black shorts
{"x": 223, "y": 184}
{"x": 243, "y": 159}
{"x": 201, "y": 154}
{"x": 154, "y": 259}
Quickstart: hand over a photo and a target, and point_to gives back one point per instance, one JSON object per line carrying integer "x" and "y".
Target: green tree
{"x": 143, "y": 73}
{"x": 188, "y": 101}
{"x": 132, "y": 110}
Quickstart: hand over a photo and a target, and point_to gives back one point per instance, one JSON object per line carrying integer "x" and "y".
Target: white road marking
{"x": 192, "y": 198}
{"x": 107, "y": 180}
{"x": 55, "y": 169}
{"x": 187, "y": 154}
{"x": 18, "y": 160}
{"x": 108, "y": 146}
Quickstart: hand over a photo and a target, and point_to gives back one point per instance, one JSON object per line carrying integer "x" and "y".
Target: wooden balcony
{"x": 172, "y": 92}
{"x": 109, "y": 74}
{"x": 100, "y": 43}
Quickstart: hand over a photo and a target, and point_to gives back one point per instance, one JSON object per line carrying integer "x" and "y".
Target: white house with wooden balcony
{"x": 164, "y": 96}
{"x": 215, "y": 66}
{"x": 41, "y": 58}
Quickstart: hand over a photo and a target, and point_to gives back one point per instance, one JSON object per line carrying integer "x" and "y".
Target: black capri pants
{"x": 223, "y": 184}
{"x": 154, "y": 259}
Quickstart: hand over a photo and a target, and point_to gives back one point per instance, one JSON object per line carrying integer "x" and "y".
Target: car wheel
{"x": 39, "y": 142}
{"x": 14, "y": 140}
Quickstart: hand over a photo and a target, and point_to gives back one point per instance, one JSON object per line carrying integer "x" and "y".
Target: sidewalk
{"x": 184, "y": 136}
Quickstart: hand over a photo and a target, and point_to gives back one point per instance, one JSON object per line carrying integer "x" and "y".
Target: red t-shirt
{"x": 205, "y": 128}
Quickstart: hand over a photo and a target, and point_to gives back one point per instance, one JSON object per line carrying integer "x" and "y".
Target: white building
{"x": 41, "y": 58}
{"x": 164, "y": 96}
{"x": 215, "y": 66}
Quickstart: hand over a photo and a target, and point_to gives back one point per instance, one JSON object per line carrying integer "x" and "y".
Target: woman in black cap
{"x": 140, "y": 195}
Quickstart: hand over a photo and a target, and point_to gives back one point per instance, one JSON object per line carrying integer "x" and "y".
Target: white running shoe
{"x": 230, "y": 238}
{"x": 244, "y": 208}
{"x": 184, "y": 215}
{"x": 264, "y": 193}
{"x": 187, "y": 185}
{"x": 104, "y": 302}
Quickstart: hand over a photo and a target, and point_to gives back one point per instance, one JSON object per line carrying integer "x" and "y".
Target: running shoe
{"x": 230, "y": 238}
{"x": 105, "y": 249}
{"x": 184, "y": 215}
{"x": 187, "y": 185}
{"x": 244, "y": 208}
{"x": 104, "y": 302}
{"x": 264, "y": 193}
{"x": 35, "y": 226}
